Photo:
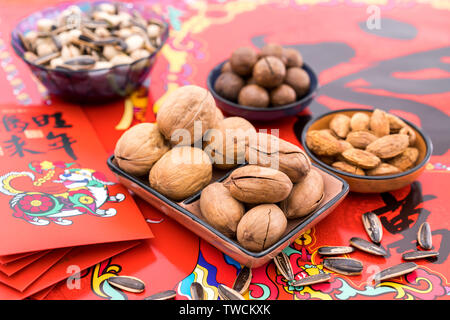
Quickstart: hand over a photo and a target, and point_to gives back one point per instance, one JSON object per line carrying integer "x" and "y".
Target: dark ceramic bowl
{"x": 262, "y": 114}
{"x": 89, "y": 86}
{"x": 372, "y": 184}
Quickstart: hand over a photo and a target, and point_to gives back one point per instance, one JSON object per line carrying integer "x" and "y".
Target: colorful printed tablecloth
{"x": 393, "y": 55}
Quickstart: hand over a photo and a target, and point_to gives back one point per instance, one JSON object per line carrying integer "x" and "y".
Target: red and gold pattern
{"x": 402, "y": 68}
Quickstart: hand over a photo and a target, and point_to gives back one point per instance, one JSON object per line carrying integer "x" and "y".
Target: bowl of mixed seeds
{"x": 91, "y": 52}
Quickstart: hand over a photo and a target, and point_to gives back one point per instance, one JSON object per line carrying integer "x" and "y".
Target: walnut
{"x": 139, "y": 148}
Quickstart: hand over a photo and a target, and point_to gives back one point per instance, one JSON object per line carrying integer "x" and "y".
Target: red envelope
{"x": 25, "y": 277}
{"x": 80, "y": 257}
{"x": 15, "y": 266}
{"x": 41, "y": 295}
{"x": 55, "y": 188}
{"x": 14, "y": 257}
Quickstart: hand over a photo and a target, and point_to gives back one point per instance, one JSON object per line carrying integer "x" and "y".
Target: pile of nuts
{"x": 104, "y": 37}
{"x": 253, "y": 203}
{"x": 376, "y": 145}
{"x": 272, "y": 77}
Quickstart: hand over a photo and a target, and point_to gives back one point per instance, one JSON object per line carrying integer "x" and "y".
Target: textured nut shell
{"x": 254, "y": 96}
{"x": 305, "y": 196}
{"x": 282, "y": 95}
{"x": 261, "y": 227}
{"x": 406, "y": 160}
{"x": 299, "y": 80}
{"x": 220, "y": 209}
{"x": 379, "y": 123}
{"x": 361, "y": 139}
{"x": 389, "y": 146}
{"x": 340, "y": 124}
{"x": 228, "y": 85}
{"x": 383, "y": 169}
{"x": 395, "y": 123}
{"x": 139, "y": 148}
{"x": 322, "y": 143}
{"x": 182, "y": 107}
{"x": 410, "y": 133}
{"x": 345, "y": 145}
{"x": 347, "y": 167}
{"x": 242, "y": 60}
{"x": 269, "y": 72}
{"x": 181, "y": 172}
{"x": 255, "y": 184}
{"x": 293, "y": 57}
{"x": 361, "y": 158}
{"x": 359, "y": 121}
{"x": 240, "y": 130}
{"x": 268, "y": 149}
{"x": 272, "y": 49}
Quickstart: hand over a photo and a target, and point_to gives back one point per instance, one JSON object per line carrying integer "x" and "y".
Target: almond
{"x": 361, "y": 158}
{"x": 406, "y": 160}
{"x": 359, "y": 121}
{"x": 340, "y": 124}
{"x": 410, "y": 133}
{"x": 389, "y": 146}
{"x": 379, "y": 123}
{"x": 395, "y": 123}
{"x": 322, "y": 143}
{"x": 361, "y": 139}
{"x": 347, "y": 167}
{"x": 383, "y": 170}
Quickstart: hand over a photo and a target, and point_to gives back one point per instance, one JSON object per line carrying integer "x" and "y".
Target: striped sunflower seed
{"x": 345, "y": 266}
{"x": 226, "y": 293}
{"x": 373, "y": 226}
{"x": 413, "y": 255}
{"x": 243, "y": 279}
{"x": 396, "y": 271}
{"x": 317, "y": 278}
{"x": 334, "y": 250}
{"x": 197, "y": 291}
{"x": 424, "y": 236}
{"x": 127, "y": 283}
{"x": 284, "y": 266}
{"x": 367, "y": 246}
{"x": 165, "y": 295}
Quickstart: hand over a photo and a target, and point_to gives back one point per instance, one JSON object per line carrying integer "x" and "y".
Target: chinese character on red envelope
{"x": 55, "y": 188}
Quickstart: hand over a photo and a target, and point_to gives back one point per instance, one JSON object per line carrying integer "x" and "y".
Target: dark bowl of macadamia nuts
{"x": 263, "y": 85}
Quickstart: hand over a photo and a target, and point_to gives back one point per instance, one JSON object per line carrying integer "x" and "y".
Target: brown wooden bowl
{"x": 187, "y": 212}
{"x": 372, "y": 184}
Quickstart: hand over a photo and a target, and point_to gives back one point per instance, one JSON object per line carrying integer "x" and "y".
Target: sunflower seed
{"x": 226, "y": 293}
{"x": 373, "y": 226}
{"x": 45, "y": 59}
{"x": 126, "y": 283}
{"x": 243, "y": 280}
{"x": 419, "y": 255}
{"x": 424, "y": 236}
{"x": 396, "y": 271}
{"x": 344, "y": 266}
{"x": 317, "y": 278}
{"x": 81, "y": 61}
{"x": 165, "y": 295}
{"x": 331, "y": 251}
{"x": 284, "y": 266}
{"x": 197, "y": 291}
{"x": 367, "y": 246}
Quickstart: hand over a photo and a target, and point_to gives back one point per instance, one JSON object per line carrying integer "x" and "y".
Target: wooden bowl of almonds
{"x": 373, "y": 150}
{"x": 91, "y": 52}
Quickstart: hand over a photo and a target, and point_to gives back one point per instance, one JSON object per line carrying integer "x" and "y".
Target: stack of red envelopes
{"x": 62, "y": 212}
